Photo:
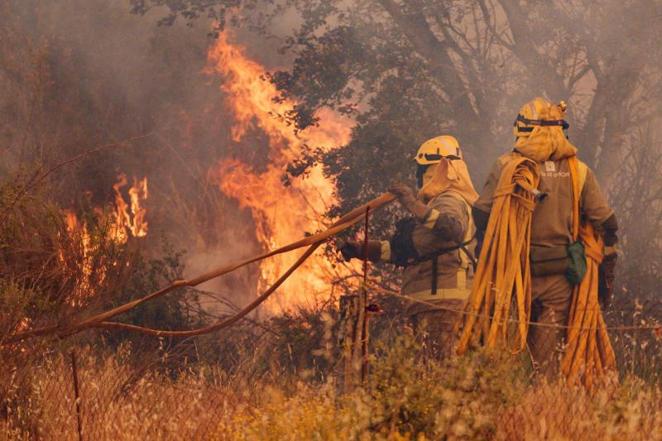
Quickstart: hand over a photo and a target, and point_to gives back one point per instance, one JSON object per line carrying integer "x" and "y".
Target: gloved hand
{"x": 606, "y": 276}
{"x": 349, "y": 250}
{"x": 407, "y": 199}
{"x": 354, "y": 249}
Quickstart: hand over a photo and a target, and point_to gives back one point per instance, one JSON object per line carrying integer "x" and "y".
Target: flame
{"x": 84, "y": 268}
{"x": 282, "y": 213}
{"x": 71, "y": 221}
{"x": 127, "y": 219}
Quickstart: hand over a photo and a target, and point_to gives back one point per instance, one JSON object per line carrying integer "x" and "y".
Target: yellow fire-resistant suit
{"x": 551, "y": 229}
{"x": 448, "y": 225}
{"x": 435, "y": 245}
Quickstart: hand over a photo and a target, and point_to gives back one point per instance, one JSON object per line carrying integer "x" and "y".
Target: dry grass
{"x": 631, "y": 411}
{"x": 115, "y": 404}
{"x": 407, "y": 398}
{"x": 273, "y": 381}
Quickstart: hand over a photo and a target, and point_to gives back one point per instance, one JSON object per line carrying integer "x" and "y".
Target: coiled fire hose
{"x": 588, "y": 353}
{"x": 503, "y": 267}
{"x": 504, "y": 272}
{"x": 312, "y": 242}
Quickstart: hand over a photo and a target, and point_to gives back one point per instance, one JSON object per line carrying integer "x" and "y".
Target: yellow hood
{"x": 449, "y": 176}
{"x": 542, "y": 143}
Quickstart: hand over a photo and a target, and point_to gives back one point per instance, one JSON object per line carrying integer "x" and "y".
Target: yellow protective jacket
{"x": 552, "y": 219}
{"x": 447, "y": 225}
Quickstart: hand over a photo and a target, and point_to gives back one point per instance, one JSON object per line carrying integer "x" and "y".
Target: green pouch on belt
{"x": 570, "y": 261}
{"x": 577, "y": 263}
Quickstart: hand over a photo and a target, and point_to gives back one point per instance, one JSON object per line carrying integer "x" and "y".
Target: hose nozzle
{"x": 539, "y": 196}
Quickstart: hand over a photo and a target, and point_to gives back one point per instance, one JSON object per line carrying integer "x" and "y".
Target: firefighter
{"x": 540, "y": 135}
{"x": 433, "y": 244}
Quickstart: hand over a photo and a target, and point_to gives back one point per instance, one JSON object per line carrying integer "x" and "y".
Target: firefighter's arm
{"x": 407, "y": 199}
{"x": 596, "y": 210}
{"x": 375, "y": 250}
{"x": 445, "y": 214}
{"x": 607, "y": 269}
{"x": 447, "y": 217}
{"x": 483, "y": 205}
{"x": 480, "y": 218}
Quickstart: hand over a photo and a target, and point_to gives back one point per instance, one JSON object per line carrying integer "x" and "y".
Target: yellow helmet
{"x": 539, "y": 112}
{"x": 432, "y": 150}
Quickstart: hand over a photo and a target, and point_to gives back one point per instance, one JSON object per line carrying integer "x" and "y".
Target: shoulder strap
{"x": 582, "y": 171}
{"x": 467, "y": 256}
{"x": 578, "y": 172}
{"x": 461, "y": 246}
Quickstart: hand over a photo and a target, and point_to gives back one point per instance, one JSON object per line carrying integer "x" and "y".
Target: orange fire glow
{"x": 282, "y": 213}
{"x": 127, "y": 219}
{"x": 85, "y": 264}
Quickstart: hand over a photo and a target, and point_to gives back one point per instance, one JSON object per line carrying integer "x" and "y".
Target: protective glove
{"x": 353, "y": 249}
{"x": 349, "y": 250}
{"x": 407, "y": 199}
{"x": 606, "y": 276}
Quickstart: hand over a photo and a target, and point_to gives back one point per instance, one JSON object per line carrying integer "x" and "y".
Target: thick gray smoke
{"x": 81, "y": 76}
{"x": 78, "y": 75}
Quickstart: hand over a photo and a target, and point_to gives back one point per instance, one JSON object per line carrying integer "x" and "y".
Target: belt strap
{"x": 461, "y": 291}
{"x": 441, "y": 251}
{"x": 434, "y": 275}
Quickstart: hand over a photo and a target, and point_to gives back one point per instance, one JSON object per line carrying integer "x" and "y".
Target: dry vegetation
{"x": 265, "y": 381}
{"x": 88, "y": 90}
{"x": 406, "y": 398}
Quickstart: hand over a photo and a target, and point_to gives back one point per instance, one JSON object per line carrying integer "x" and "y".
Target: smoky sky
{"x": 106, "y": 76}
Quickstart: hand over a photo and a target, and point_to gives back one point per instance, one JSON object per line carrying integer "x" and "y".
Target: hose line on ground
{"x": 101, "y": 320}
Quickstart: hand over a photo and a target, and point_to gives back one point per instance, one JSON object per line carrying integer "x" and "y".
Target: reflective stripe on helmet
{"x": 434, "y": 149}
{"x": 540, "y": 122}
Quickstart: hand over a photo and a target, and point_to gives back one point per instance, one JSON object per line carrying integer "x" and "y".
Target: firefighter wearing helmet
{"x": 540, "y": 135}
{"x": 433, "y": 244}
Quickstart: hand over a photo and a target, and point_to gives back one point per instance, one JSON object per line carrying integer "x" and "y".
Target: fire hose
{"x": 503, "y": 267}
{"x": 312, "y": 242}
{"x": 504, "y": 272}
{"x": 588, "y": 354}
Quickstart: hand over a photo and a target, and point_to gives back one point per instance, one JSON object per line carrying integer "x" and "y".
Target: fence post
{"x": 363, "y": 303}
{"x": 74, "y": 372}
{"x": 347, "y": 327}
{"x": 353, "y": 330}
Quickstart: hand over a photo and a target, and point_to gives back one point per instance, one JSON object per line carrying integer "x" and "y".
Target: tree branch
{"x": 525, "y": 50}
{"x": 417, "y": 30}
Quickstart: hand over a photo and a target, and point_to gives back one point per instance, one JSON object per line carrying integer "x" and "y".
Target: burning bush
{"x": 56, "y": 265}
{"x": 52, "y": 266}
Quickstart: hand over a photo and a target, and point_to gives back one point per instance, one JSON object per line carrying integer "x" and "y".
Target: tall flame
{"x": 282, "y": 213}
{"x": 84, "y": 270}
{"x": 126, "y": 220}
{"x": 129, "y": 217}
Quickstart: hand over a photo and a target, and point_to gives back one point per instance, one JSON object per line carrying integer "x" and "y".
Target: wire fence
{"x": 167, "y": 392}
{"x": 159, "y": 392}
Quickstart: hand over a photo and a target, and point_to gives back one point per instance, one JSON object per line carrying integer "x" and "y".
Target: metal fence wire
{"x": 115, "y": 400}
{"x": 167, "y": 394}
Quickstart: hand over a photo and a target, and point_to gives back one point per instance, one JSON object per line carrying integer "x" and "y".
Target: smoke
{"x": 88, "y": 74}
{"x": 76, "y": 75}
